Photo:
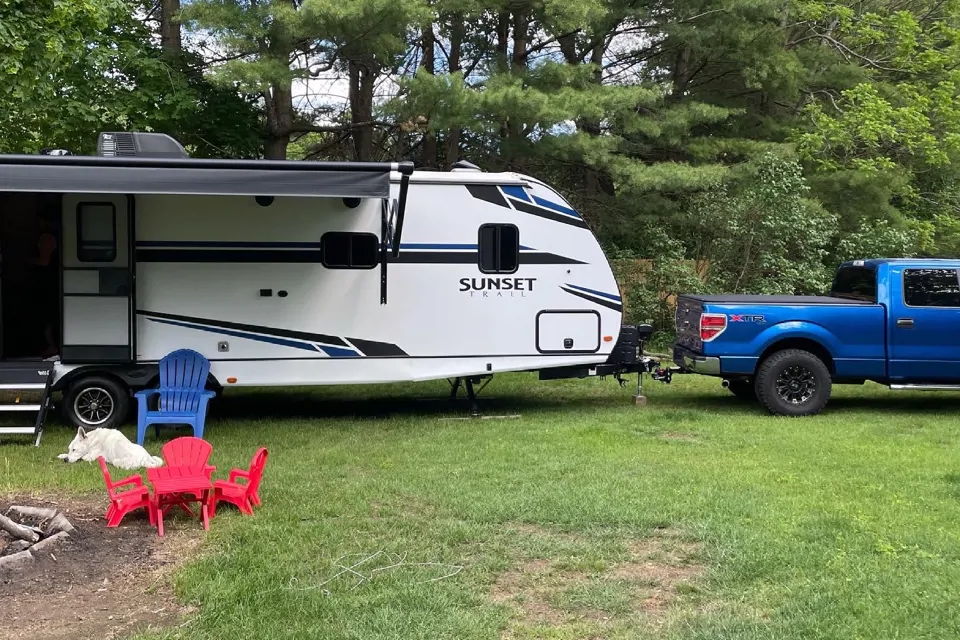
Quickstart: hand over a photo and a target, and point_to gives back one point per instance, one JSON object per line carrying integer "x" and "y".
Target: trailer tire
{"x": 743, "y": 389}
{"x": 794, "y": 383}
{"x": 95, "y": 402}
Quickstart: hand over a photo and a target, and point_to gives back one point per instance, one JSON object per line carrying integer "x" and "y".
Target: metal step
{"x": 20, "y": 407}
{"x": 17, "y": 430}
{"x": 925, "y": 387}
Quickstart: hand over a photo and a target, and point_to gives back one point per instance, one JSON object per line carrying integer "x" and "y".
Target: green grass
{"x": 845, "y": 525}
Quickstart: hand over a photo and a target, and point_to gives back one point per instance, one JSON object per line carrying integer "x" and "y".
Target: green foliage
{"x": 764, "y": 234}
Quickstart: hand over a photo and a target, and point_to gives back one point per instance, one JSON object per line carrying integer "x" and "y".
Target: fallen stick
{"x": 18, "y": 530}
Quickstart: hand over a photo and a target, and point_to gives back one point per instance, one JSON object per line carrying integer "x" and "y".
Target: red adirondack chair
{"x": 123, "y": 502}
{"x": 188, "y": 451}
{"x": 244, "y": 496}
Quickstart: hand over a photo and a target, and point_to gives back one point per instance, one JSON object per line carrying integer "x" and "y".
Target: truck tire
{"x": 793, "y": 383}
{"x": 743, "y": 389}
{"x": 94, "y": 402}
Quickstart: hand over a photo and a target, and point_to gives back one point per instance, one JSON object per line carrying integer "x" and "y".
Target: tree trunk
{"x": 279, "y": 103}
{"x": 452, "y": 144}
{"x": 170, "y": 41}
{"x": 681, "y": 73}
{"x": 428, "y": 155}
{"x": 361, "y": 107}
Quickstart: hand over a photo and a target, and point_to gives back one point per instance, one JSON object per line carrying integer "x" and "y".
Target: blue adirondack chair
{"x": 183, "y": 398}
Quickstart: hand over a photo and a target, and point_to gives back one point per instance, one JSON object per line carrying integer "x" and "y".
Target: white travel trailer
{"x": 292, "y": 273}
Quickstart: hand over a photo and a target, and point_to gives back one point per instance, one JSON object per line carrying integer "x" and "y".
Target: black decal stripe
{"x": 377, "y": 349}
{"x": 267, "y": 256}
{"x": 228, "y": 255}
{"x": 253, "y": 328}
{"x": 609, "y": 304}
{"x": 548, "y": 214}
{"x": 488, "y": 193}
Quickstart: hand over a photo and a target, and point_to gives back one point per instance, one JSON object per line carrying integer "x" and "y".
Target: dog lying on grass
{"x": 115, "y": 448}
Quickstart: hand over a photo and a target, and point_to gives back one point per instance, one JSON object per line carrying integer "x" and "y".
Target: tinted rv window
{"x": 931, "y": 288}
{"x": 859, "y": 283}
{"x": 96, "y": 232}
{"x": 499, "y": 248}
{"x": 344, "y": 250}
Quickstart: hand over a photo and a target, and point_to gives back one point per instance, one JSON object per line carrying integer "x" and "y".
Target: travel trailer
{"x": 290, "y": 273}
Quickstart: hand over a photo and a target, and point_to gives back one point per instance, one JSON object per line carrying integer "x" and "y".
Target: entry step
{"x": 20, "y": 407}
{"x": 17, "y": 430}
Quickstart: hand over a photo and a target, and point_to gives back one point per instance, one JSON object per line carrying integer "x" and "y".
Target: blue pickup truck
{"x": 891, "y": 321}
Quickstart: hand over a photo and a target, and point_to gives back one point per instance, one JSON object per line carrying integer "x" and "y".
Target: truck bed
{"x": 776, "y": 300}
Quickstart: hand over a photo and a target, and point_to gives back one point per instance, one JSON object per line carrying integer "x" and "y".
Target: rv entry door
{"x": 97, "y": 279}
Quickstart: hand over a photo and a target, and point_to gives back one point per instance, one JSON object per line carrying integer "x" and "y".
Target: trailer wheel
{"x": 793, "y": 383}
{"x": 743, "y": 389}
{"x": 96, "y": 402}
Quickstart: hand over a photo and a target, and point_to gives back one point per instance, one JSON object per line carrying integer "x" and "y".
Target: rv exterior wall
{"x": 246, "y": 285}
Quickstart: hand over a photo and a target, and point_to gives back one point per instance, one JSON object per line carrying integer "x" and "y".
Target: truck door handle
{"x": 904, "y": 322}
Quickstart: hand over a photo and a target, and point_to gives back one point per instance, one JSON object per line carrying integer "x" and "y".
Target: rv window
{"x": 96, "y": 232}
{"x": 344, "y": 250}
{"x": 499, "y": 248}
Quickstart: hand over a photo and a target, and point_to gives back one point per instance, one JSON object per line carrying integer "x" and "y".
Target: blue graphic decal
{"x": 609, "y": 296}
{"x": 559, "y": 208}
{"x": 283, "y": 342}
{"x": 517, "y": 192}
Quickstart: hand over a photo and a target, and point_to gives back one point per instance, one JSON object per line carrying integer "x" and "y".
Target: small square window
{"x": 96, "y": 232}
{"x": 499, "y": 248}
{"x": 346, "y": 250}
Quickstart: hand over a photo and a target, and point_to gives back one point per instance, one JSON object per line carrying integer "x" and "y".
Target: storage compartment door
{"x": 568, "y": 331}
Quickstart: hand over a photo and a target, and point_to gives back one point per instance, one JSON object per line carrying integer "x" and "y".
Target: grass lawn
{"x": 695, "y": 517}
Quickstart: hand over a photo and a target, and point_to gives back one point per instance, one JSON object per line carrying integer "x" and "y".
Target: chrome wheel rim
{"x": 796, "y": 384}
{"x": 93, "y": 406}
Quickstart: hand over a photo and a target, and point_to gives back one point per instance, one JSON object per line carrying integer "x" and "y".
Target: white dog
{"x": 115, "y": 448}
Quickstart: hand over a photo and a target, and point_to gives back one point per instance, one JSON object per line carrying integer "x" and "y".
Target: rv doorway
{"x": 29, "y": 275}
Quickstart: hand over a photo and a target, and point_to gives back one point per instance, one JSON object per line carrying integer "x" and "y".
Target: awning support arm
{"x": 406, "y": 169}
{"x": 384, "y": 243}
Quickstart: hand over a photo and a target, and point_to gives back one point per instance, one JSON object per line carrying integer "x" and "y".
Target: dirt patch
{"x": 100, "y": 583}
{"x": 644, "y": 585}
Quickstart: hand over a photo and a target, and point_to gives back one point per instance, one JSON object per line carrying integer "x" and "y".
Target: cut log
{"x": 37, "y": 513}
{"x": 18, "y": 530}
{"x": 60, "y": 523}
{"x": 15, "y": 547}
{"x": 16, "y": 561}
{"x": 46, "y": 545}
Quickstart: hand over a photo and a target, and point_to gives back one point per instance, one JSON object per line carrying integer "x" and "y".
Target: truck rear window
{"x": 858, "y": 283}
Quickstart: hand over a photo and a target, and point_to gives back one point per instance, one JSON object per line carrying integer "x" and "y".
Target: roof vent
{"x": 463, "y": 165}
{"x": 139, "y": 145}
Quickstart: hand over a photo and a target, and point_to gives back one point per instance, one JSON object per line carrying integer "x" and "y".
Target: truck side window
{"x": 96, "y": 232}
{"x": 931, "y": 288}
{"x": 499, "y": 248}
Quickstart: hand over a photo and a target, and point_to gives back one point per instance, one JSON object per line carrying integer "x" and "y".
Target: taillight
{"x": 712, "y": 325}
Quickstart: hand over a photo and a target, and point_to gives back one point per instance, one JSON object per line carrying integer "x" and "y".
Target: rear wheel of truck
{"x": 794, "y": 383}
{"x": 743, "y": 389}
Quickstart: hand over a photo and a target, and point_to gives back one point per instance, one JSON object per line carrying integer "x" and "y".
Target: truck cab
{"x": 890, "y": 321}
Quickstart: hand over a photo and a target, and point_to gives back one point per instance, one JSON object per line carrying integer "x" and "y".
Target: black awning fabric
{"x": 66, "y": 174}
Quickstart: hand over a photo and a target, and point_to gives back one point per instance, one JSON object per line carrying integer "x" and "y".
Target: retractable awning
{"x": 137, "y": 175}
